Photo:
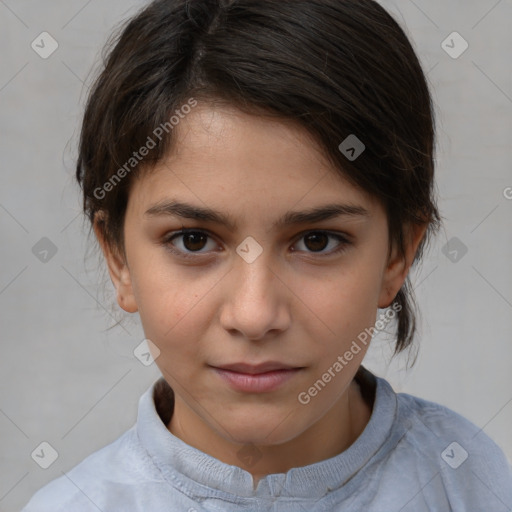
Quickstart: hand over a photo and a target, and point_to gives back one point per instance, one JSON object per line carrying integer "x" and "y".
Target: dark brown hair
{"x": 337, "y": 67}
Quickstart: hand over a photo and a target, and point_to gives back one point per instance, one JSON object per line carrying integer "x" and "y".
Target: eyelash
{"x": 166, "y": 242}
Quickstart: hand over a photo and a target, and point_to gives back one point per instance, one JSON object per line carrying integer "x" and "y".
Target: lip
{"x": 254, "y": 369}
{"x": 262, "y": 378}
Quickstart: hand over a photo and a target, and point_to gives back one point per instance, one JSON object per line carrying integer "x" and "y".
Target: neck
{"x": 328, "y": 437}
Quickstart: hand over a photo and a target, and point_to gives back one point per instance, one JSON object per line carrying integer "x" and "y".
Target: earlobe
{"x": 117, "y": 267}
{"x": 399, "y": 264}
{"x": 125, "y": 296}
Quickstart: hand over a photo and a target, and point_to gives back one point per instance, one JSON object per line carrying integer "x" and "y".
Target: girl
{"x": 222, "y": 142}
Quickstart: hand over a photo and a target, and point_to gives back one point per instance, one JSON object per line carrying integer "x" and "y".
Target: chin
{"x": 262, "y": 430}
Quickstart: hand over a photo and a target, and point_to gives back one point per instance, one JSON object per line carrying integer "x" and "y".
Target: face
{"x": 257, "y": 288}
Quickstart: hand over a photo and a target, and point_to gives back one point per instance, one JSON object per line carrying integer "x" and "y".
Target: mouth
{"x": 261, "y": 378}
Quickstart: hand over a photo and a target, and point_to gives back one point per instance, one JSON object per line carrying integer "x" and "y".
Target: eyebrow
{"x": 310, "y": 216}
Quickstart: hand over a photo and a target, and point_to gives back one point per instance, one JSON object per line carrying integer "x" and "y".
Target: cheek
{"x": 169, "y": 316}
{"x": 346, "y": 300}
{"x": 172, "y": 305}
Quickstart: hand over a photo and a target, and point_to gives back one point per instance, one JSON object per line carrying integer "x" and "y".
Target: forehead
{"x": 225, "y": 132}
{"x": 231, "y": 160}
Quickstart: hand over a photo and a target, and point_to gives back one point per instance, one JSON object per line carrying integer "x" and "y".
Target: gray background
{"x": 67, "y": 380}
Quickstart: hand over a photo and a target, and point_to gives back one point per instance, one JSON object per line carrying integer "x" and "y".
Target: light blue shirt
{"x": 413, "y": 456}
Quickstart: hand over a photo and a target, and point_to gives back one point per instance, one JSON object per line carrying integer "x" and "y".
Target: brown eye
{"x": 316, "y": 241}
{"x": 194, "y": 241}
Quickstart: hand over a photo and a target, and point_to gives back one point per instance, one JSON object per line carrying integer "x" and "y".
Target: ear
{"x": 398, "y": 265}
{"x": 117, "y": 267}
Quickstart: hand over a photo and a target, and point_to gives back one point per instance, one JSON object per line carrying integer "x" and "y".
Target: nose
{"x": 256, "y": 300}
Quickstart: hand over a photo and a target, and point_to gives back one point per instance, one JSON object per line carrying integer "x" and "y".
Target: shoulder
{"x": 434, "y": 421}
{"x": 457, "y": 458}
{"x": 88, "y": 485}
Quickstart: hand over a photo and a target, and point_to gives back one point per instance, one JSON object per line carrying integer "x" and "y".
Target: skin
{"x": 297, "y": 303}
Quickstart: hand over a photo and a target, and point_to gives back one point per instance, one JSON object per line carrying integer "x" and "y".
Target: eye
{"x": 192, "y": 241}
{"x": 317, "y": 241}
